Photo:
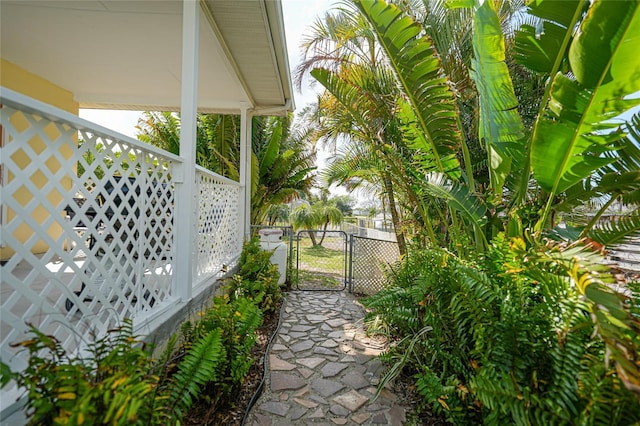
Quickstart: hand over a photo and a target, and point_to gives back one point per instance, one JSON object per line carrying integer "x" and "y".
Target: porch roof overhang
{"x": 127, "y": 55}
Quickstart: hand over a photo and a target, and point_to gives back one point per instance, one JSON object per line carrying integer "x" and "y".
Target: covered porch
{"x": 110, "y": 228}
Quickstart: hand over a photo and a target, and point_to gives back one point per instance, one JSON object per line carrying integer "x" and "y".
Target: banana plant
{"x": 588, "y": 53}
{"x": 574, "y": 136}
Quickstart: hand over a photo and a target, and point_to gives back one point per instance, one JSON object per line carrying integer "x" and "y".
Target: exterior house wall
{"x": 20, "y": 80}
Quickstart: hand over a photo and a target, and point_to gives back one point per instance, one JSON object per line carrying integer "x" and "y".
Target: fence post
{"x": 350, "y": 263}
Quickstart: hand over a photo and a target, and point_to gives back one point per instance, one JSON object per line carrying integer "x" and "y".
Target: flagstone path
{"x": 323, "y": 369}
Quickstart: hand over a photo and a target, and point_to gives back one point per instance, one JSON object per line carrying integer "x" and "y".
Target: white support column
{"x": 245, "y": 171}
{"x": 186, "y": 207}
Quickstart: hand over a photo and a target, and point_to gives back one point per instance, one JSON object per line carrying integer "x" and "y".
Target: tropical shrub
{"x": 118, "y": 382}
{"x": 257, "y": 278}
{"x": 114, "y": 384}
{"x": 236, "y": 316}
{"x": 496, "y": 337}
{"x": 507, "y": 339}
{"x": 236, "y": 322}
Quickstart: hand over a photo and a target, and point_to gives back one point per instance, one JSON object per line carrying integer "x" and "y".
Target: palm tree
{"x": 284, "y": 163}
{"x": 304, "y": 217}
{"x": 330, "y": 215}
{"x": 278, "y": 213}
{"x": 362, "y": 118}
{"x": 314, "y": 217}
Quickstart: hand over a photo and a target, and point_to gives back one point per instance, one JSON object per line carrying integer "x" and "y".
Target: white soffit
{"x": 127, "y": 54}
{"x": 254, "y": 34}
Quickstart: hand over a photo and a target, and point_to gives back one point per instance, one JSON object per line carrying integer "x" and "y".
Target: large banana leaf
{"x": 419, "y": 71}
{"x": 542, "y": 47}
{"x": 501, "y": 127}
{"x": 573, "y": 137}
{"x": 270, "y": 152}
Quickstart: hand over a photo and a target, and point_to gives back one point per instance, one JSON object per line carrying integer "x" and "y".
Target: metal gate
{"x": 333, "y": 260}
{"x": 321, "y": 260}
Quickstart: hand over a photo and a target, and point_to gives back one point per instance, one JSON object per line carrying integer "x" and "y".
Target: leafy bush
{"x": 119, "y": 382}
{"x": 510, "y": 340}
{"x": 114, "y": 384}
{"x": 257, "y": 278}
{"x": 237, "y": 321}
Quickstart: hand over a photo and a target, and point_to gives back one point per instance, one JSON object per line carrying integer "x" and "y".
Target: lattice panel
{"x": 219, "y": 238}
{"x": 87, "y": 230}
{"x": 369, "y": 258}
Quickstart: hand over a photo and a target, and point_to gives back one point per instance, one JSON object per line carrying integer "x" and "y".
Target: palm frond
{"x": 419, "y": 71}
{"x": 458, "y": 197}
{"x": 617, "y": 231}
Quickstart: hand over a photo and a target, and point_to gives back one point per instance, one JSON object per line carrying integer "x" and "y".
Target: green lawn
{"x": 321, "y": 266}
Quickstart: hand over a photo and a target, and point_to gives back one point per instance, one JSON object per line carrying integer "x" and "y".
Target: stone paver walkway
{"x": 322, "y": 368}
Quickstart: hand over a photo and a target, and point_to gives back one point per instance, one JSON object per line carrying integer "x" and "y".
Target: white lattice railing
{"x": 219, "y": 232}
{"x": 88, "y": 228}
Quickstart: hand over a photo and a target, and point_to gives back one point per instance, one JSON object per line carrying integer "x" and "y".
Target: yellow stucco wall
{"x": 20, "y": 80}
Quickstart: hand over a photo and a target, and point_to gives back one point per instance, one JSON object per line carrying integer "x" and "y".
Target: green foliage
{"x": 235, "y": 321}
{"x": 429, "y": 95}
{"x": 119, "y": 383}
{"x": 112, "y": 385}
{"x": 510, "y": 338}
{"x": 197, "y": 368}
{"x": 257, "y": 278}
{"x": 217, "y": 140}
{"x": 501, "y": 338}
{"x": 283, "y": 164}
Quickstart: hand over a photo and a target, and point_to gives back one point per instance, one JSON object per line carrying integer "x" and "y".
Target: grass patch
{"x": 314, "y": 280}
{"x": 320, "y": 258}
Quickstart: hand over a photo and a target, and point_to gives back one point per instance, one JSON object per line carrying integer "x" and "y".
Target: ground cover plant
{"x": 502, "y": 340}
{"x": 118, "y": 381}
{"x": 501, "y": 136}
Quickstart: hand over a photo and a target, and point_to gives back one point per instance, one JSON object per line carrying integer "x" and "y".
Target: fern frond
{"x": 196, "y": 369}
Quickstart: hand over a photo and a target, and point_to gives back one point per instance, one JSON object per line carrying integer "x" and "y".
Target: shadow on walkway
{"x": 323, "y": 368}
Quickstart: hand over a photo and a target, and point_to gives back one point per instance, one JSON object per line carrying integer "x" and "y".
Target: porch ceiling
{"x": 127, "y": 54}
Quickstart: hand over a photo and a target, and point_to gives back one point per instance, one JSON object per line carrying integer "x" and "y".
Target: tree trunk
{"x": 388, "y": 188}
{"x": 312, "y": 235}
{"x": 324, "y": 231}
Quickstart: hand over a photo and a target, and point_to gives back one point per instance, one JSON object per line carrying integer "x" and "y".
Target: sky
{"x": 298, "y": 16}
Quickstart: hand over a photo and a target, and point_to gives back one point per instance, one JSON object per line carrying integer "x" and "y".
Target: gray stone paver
{"x": 331, "y": 370}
